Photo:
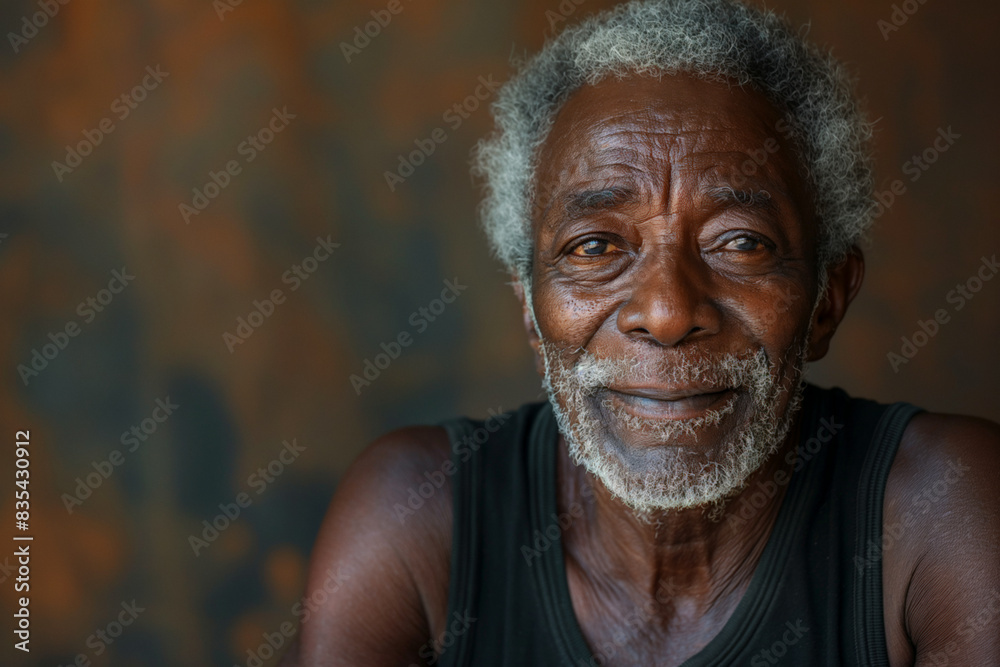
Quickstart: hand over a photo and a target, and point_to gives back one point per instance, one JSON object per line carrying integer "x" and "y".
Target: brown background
{"x": 324, "y": 175}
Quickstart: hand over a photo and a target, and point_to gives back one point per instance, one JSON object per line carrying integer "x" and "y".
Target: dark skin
{"x": 643, "y": 250}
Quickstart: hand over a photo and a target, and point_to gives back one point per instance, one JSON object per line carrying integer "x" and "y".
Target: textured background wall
{"x": 65, "y": 230}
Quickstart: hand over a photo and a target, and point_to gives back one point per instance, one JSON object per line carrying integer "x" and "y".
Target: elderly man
{"x": 677, "y": 188}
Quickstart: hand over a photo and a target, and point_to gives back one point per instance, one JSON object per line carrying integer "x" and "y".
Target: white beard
{"x": 668, "y": 476}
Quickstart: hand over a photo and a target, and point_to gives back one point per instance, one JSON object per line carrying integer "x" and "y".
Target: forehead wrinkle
{"x": 634, "y": 146}
{"x": 723, "y": 171}
{"x": 676, "y": 174}
{"x": 667, "y": 153}
{"x": 659, "y": 149}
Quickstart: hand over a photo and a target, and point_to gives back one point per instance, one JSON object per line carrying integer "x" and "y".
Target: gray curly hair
{"x": 706, "y": 38}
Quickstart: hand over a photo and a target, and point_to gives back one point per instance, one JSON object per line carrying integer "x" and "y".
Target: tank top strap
{"x": 463, "y": 579}
{"x": 489, "y": 575}
{"x": 869, "y": 614}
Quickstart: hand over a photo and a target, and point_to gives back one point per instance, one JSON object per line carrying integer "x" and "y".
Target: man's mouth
{"x": 669, "y": 403}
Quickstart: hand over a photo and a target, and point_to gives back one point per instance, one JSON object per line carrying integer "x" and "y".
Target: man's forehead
{"x": 670, "y": 117}
{"x": 620, "y": 130}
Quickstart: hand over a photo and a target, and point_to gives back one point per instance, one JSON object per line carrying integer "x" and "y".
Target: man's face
{"x": 673, "y": 284}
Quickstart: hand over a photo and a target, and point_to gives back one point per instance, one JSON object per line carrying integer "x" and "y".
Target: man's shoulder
{"x": 391, "y": 475}
{"x": 943, "y": 479}
{"x": 421, "y": 449}
{"x": 929, "y": 439}
{"x": 956, "y": 453}
{"x": 941, "y": 527}
{"x": 401, "y": 472}
{"x": 950, "y": 430}
{"x": 404, "y": 449}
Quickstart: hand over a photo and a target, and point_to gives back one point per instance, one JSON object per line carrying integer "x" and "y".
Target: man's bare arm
{"x": 378, "y": 576}
{"x": 948, "y": 480}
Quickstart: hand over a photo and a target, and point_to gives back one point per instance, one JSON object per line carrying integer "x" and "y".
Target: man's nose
{"x": 669, "y": 301}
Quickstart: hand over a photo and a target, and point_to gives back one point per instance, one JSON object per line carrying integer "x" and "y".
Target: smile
{"x": 675, "y": 404}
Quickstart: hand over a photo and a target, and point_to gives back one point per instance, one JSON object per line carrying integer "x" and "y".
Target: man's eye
{"x": 745, "y": 244}
{"x": 594, "y": 248}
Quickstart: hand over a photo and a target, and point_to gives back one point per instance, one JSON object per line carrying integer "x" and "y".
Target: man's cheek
{"x": 570, "y": 322}
{"x": 779, "y": 317}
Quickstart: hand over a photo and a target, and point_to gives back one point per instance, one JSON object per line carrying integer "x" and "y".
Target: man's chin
{"x": 670, "y": 464}
{"x": 660, "y": 479}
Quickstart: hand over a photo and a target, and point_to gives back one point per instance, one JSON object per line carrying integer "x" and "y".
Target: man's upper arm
{"x": 946, "y": 498}
{"x": 372, "y": 576}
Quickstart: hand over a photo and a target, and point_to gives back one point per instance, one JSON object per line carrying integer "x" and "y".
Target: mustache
{"x": 591, "y": 374}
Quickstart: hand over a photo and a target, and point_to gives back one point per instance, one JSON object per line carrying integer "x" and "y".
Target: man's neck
{"x": 700, "y": 556}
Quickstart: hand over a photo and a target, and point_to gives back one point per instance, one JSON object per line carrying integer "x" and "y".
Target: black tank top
{"x": 815, "y": 597}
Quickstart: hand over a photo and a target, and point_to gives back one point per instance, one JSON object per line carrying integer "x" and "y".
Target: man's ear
{"x": 529, "y": 325}
{"x": 843, "y": 283}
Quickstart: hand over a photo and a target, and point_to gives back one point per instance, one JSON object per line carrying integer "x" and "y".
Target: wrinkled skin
{"x": 639, "y": 251}
{"x": 647, "y": 251}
